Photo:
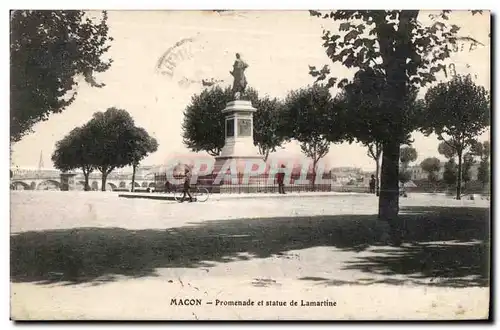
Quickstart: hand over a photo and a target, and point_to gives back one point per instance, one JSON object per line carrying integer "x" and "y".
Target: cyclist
{"x": 185, "y": 190}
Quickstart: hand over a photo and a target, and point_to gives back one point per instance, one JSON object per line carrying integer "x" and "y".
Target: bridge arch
{"x": 48, "y": 183}
{"x": 110, "y": 186}
{"x": 20, "y": 184}
{"x": 152, "y": 185}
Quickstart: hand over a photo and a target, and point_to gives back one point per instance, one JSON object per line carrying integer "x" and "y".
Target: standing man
{"x": 185, "y": 191}
{"x": 281, "y": 180}
{"x": 372, "y": 184}
{"x": 168, "y": 187}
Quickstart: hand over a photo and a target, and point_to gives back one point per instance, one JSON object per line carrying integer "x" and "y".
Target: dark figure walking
{"x": 372, "y": 184}
{"x": 185, "y": 191}
{"x": 168, "y": 187}
{"x": 281, "y": 179}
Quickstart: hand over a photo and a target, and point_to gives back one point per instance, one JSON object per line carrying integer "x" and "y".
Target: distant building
{"x": 349, "y": 176}
{"x": 417, "y": 173}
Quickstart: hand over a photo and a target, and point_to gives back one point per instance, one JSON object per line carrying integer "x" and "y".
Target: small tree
{"x": 74, "y": 151}
{"x": 431, "y": 165}
{"x": 141, "y": 145}
{"x": 313, "y": 120}
{"x": 203, "y": 125}
{"x": 407, "y": 155}
{"x": 466, "y": 168}
{"x": 483, "y": 173}
{"x": 111, "y": 131}
{"x": 457, "y": 112}
{"x": 450, "y": 172}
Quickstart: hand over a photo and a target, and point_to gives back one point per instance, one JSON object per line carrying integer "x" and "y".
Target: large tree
{"x": 74, "y": 151}
{"x": 141, "y": 144}
{"x": 405, "y": 54}
{"x": 313, "y": 119}
{"x": 111, "y": 131}
{"x": 203, "y": 125}
{"x": 457, "y": 111}
{"x": 49, "y": 50}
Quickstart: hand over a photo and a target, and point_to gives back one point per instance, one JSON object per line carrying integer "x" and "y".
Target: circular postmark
{"x": 173, "y": 63}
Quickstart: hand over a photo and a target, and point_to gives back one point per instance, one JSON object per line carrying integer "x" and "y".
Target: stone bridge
{"x": 52, "y": 181}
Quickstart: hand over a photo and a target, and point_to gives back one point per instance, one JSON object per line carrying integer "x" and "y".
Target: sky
{"x": 278, "y": 46}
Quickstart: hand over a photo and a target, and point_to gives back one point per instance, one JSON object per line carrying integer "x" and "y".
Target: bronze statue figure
{"x": 240, "y": 81}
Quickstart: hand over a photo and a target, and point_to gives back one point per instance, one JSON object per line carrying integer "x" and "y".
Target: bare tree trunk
{"x": 314, "y": 174}
{"x": 389, "y": 192}
{"x": 86, "y": 178}
{"x": 133, "y": 177}
{"x": 103, "y": 180}
{"x": 377, "y": 180}
{"x": 459, "y": 175}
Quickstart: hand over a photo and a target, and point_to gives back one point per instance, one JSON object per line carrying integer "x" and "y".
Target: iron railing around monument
{"x": 236, "y": 184}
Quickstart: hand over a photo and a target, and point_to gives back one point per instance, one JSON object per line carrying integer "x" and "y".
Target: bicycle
{"x": 199, "y": 194}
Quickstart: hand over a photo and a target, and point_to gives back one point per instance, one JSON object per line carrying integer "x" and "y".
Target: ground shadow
{"x": 98, "y": 254}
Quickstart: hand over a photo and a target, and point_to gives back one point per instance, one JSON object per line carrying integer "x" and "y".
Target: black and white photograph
{"x": 250, "y": 164}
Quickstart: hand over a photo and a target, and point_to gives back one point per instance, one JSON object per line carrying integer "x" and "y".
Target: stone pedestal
{"x": 238, "y": 144}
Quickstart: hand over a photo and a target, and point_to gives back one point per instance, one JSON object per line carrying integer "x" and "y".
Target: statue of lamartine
{"x": 238, "y": 73}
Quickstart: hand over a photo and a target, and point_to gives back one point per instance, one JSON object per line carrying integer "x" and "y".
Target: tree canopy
{"x": 111, "y": 131}
{"x": 49, "y": 50}
{"x": 408, "y": 155}
{"x": 203, "y": 125}
{"x": 365, "y": 115}
{"x": 75, "y": 151}
{"x": 141, "y": 145}
{"x": 457, "y": 111}
{"x": 109, "y": 140}
{"x": 313, "y": 118}
{"x": 446, "y": 150}
{"x": 268, "y": 125}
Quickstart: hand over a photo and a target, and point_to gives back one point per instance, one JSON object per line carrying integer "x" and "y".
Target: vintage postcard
{"x": 250, "y": 165}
